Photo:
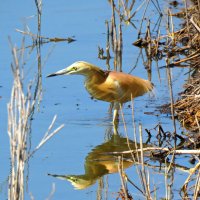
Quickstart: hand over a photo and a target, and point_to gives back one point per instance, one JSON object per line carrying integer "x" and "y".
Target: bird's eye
{"x": 75, "y": 68}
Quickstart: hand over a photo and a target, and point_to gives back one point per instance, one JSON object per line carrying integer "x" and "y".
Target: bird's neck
{"x": 96, "y": 76}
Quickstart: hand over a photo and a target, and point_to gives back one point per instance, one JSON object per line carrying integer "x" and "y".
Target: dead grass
{"x": 188, "y": 106}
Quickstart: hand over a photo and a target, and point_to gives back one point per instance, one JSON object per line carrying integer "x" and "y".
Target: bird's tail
{"x": 150, "y": 87}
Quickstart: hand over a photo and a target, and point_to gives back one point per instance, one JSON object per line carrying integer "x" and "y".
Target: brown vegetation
{"x": 187, "y": 108}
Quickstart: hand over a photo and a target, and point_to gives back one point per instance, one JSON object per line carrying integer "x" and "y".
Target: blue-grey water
{"x": 87, "y": 122}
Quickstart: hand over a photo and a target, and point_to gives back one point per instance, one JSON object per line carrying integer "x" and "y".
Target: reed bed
{"x": 20, "y": 109}
{"x": 184, "y": 49}
{"x": 188, "y": 106}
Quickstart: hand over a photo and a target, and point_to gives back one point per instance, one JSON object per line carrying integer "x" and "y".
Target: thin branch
{"x": 47, "y": 135}
{"x": 195, "y": 25}
{"x": 167, "y": 150}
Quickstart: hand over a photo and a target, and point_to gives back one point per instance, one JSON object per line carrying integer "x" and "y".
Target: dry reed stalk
{"x": 170, "y": 28}
{"x": 113, "y": 27}
{"x": 197, "y": 186}
{"x": 53, "y": 189}
{"x": 143, "y": 17}
{"x": 171, "y": 98}
{"x": 120, "y": 166}
{"x": 166, "y": 150}
{"x": 100, "y": 189}
{"x": 48, "y": 135}
{"x": 39, "y": 39}
{"x": 38, "y": 4}
{"x": 139, "y": 156}
{"x": 135, "y": 157}
{"x": 189, "y": 178}
{"x": 122, "y": 177}
{"x": 169, "y": 179}
{"x": 116, "y": 39}
{"x": 108, "y": 46}
{"x": 20, "y": 109}
{"x": 187, "y": 18}
{"x": 126, "y": 134}
{"x": 143, "y": 172}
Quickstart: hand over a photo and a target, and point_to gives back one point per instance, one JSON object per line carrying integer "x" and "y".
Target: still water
{"x": 83, "y": 144}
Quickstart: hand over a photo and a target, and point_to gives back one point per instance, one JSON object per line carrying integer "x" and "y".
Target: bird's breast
{"x": 109, "y": 90}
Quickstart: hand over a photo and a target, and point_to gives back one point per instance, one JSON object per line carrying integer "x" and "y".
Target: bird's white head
{"x": 79, "y": 67}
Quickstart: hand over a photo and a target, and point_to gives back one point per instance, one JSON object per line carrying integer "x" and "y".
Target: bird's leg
{"x": 116, "y": 114}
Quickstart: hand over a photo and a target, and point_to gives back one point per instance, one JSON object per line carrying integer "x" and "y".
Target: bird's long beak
{"x": 60, "y": 72}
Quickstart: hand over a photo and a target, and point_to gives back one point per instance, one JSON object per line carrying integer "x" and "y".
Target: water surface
{"x": 87, "y": 122}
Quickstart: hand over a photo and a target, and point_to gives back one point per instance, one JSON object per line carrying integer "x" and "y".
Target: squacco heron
{"x": 111, "y": 86}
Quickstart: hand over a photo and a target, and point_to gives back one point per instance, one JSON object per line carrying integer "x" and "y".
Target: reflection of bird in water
{"x": 110, "y": 86}
{"x": 79, "y": 182}
{"x": 100, "y": 161}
